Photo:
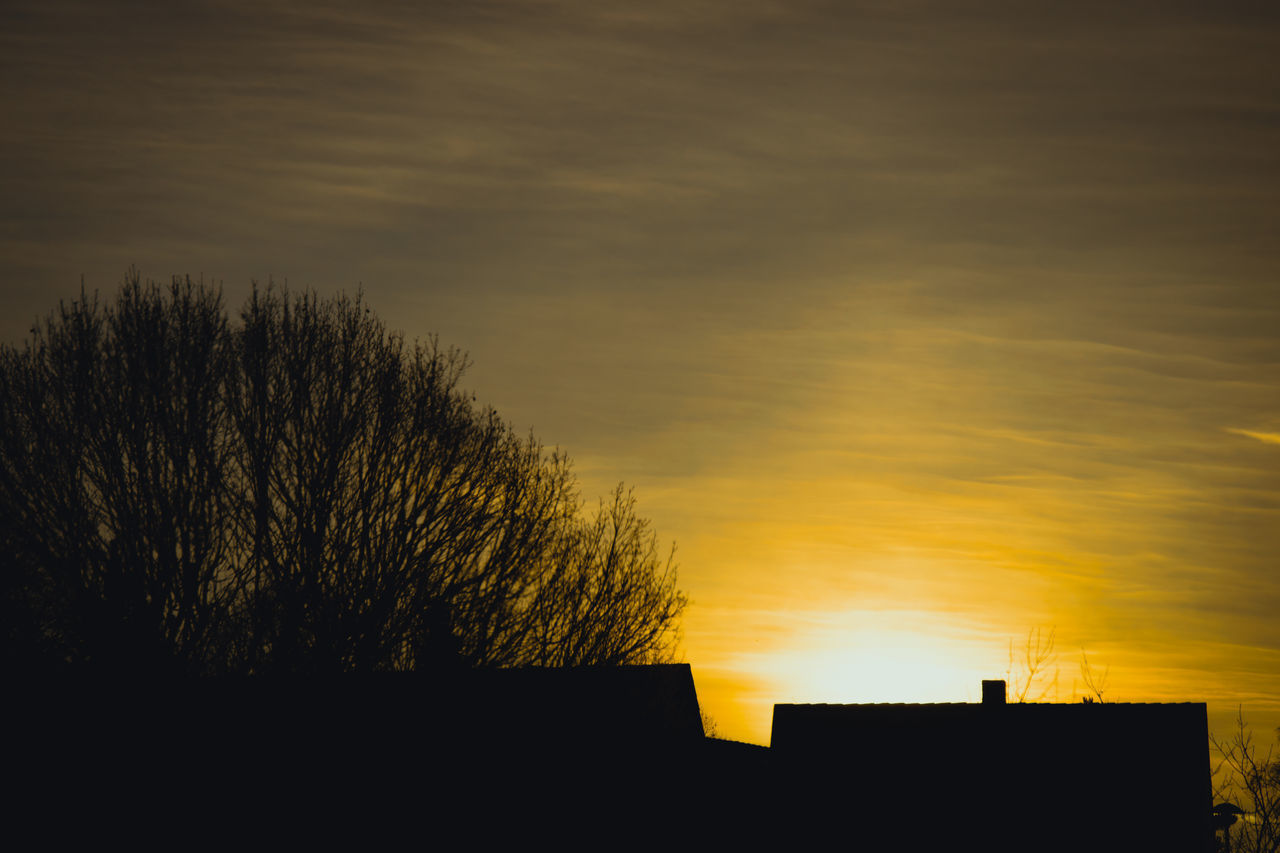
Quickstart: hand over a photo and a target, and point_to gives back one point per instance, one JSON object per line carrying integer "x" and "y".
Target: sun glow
{"x": 877, "y": 656}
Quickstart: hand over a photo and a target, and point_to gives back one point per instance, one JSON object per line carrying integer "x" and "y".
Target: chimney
{"x": 993, "y": 692}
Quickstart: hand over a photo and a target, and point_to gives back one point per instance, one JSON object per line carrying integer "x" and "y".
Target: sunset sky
{"x": 916, "y": 325}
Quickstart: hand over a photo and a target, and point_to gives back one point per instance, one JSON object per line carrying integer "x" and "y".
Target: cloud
{"x": 875, "y": 303}
{"x": 1265, "y": 437}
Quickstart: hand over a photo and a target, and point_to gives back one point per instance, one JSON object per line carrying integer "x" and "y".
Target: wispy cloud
{"x": 1265, "y": 437}
{"x": 879, "y": 305}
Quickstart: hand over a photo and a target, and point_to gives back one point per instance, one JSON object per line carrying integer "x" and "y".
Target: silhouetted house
{"x": 604, "y": 757}
{"x": 996, "y": 776}
{"x": 492, "y": 754}
{"x": 650, "y": 706}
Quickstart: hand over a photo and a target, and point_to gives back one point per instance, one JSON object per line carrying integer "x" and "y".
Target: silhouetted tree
{"x": 113, "y": 486}
{"x": 1024, "y": 676}
{"x": 302, "y": 492}
{"x": 1094, "y": 682}
{"x": 1251, "y": 780}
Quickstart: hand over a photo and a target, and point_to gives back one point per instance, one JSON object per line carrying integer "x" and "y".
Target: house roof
{"x": 1132, "y": 774}
{"x": 653, "y": 703}
{"x": 798, "y": 726}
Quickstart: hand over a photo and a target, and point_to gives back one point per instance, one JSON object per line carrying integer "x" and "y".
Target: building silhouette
{"x": 616, "y": 757}
{"x": 997, "y": 776}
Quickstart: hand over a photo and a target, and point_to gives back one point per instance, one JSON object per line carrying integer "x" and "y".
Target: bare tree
{"x": 113, "y": 448}
{"x": 1029, "y": 678}
{"x": 302, "y": 492}
{"x": 1094, "y": 682}
{"x": 1250, "y": 780}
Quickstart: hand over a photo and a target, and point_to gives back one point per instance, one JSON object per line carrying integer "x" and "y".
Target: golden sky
{"x": 915, "y": 324}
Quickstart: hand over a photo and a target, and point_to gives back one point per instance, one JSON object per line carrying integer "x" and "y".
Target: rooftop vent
{"x": 993, "y": 692}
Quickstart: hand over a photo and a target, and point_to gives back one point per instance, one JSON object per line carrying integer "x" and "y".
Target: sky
{"x": 916, "y": 326}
